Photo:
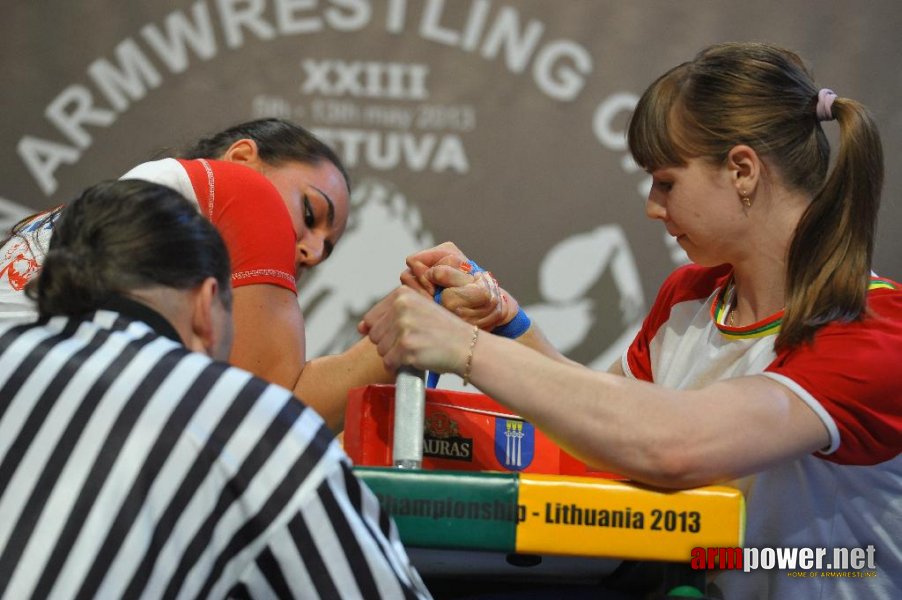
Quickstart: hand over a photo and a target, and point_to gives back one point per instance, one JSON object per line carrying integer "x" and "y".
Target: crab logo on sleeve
{"x": 23, "y": 253}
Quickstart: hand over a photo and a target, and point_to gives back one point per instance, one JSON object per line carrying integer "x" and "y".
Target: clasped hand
{"x": 475, "y": 297}
{"x": 409, "y": 328}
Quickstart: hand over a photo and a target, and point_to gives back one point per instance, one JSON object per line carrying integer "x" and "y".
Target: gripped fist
{"x": 408, "y": 328}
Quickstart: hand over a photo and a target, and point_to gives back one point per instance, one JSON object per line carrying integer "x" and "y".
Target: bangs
{"x": 653, "y": 138}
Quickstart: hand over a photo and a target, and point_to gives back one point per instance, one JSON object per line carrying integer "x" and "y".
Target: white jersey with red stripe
{"x": 849, "y": 494}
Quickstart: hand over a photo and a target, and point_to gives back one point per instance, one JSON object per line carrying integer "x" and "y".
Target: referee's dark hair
{"x": 126, "y": 235}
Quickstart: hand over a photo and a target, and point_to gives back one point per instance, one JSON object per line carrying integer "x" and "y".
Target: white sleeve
{"x": 168, "y": 172}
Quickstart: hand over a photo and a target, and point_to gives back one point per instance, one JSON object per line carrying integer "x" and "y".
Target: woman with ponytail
{"x": 771, "y": 363}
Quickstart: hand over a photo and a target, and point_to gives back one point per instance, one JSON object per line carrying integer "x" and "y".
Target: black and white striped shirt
{"x": 131, "y": 467}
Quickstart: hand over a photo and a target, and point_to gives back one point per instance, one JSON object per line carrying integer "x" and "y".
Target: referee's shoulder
{"x": 247, "y": 387}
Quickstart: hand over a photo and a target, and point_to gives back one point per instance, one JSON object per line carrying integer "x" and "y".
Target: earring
{"x": 745, "y": 199}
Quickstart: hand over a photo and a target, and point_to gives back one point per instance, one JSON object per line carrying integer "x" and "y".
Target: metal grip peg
{"x": 410, "y": 415}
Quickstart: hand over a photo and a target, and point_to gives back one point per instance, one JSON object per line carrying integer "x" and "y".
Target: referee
{"x": 134, "y": 463}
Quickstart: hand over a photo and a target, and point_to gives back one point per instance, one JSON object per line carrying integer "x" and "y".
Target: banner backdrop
{"x": 497, "y": 124}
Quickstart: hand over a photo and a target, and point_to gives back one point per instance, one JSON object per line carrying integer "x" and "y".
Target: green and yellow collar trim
{"x": 723, "y": 301}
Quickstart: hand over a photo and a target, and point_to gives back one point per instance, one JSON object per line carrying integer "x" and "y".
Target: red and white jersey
{"x": 847, "y": 495}
{"x": 245, "y": 207}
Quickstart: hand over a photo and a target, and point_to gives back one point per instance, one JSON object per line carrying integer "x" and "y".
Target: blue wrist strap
{"x": 515, "y": 327}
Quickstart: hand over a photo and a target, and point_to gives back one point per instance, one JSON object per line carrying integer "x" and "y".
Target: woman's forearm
{"x": 325, "y": 381}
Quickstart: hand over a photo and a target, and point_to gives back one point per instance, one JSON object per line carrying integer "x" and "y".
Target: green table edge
{"x": 448, "y": 509}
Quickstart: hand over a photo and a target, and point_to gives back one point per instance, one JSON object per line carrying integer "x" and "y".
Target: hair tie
{"x": 825, "y": 100}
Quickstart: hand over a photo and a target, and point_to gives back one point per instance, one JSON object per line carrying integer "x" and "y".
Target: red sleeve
{"x": 689, "y": 282}
{"x": 252, "y": 219}
{"x": 853, "y": 371}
